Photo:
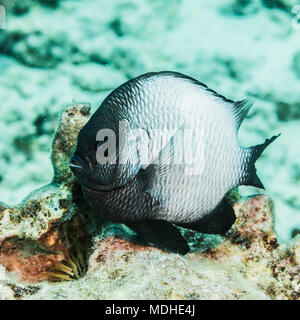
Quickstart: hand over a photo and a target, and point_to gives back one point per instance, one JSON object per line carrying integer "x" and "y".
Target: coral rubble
{"x": 39, "y": 238}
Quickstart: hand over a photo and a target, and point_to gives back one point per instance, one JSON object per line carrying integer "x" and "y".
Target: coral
{"x": 33, "y": 234}
{"x": 50, "y": 234}
{"x": 72, "y": 268}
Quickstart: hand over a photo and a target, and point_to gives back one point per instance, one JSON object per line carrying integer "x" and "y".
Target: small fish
{"x": 187, "y": 158}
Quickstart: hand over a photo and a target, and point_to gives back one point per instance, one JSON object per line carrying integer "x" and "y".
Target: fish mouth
{"x": 105, "y": 188}
{"x": 80, "y": 163}
{"x": 102, "y": 188}
{"x": 81, "y": 167}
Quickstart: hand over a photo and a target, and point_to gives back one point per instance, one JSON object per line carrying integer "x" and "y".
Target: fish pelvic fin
{"x": 161, "y": 234}
{"x": 252, "y": 154}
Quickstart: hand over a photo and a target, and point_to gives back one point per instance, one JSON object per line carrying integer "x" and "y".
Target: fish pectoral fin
{"x": 163, "y": 167}
{"x": 161, "y": 234}
{"x": 219, "y": 221}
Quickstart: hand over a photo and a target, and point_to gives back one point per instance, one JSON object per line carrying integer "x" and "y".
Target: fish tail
{"x": 251, "y": 155}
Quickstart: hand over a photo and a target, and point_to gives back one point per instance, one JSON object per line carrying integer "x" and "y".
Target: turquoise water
{"x": 53, "y": 52}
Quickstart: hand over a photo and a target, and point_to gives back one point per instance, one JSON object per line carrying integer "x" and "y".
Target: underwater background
{"x": 53, "y": 52}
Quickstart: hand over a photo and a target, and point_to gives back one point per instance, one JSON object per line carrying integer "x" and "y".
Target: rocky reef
{"x": 52, "y": 246}
{"x": 36, "y": 233}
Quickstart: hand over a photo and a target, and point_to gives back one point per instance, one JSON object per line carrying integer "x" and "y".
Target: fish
{"x": 162, "y": 152}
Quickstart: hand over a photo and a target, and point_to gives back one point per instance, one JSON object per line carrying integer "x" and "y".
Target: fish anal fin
{"x": 219, "y": 221}
{"x": 253, "y": 180}
{"x": 161, "y": 234}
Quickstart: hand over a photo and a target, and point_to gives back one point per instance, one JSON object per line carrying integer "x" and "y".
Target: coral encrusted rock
{"x": 53, "y": 235}
{"x": 32, "y": 236}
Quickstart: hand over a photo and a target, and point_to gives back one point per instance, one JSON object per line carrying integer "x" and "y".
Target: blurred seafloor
{"x": 56, "y": 51}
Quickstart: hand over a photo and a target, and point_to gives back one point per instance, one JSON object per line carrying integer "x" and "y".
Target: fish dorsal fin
{"x": 240, "y": 110}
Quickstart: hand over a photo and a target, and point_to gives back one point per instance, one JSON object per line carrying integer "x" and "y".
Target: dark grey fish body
{"x": 150, "y": 195}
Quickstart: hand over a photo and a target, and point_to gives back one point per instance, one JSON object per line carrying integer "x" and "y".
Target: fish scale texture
{"x": 170, "y": 101}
